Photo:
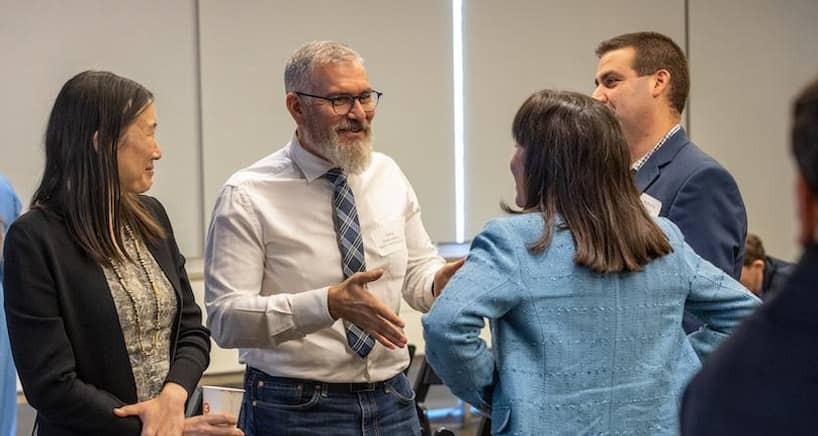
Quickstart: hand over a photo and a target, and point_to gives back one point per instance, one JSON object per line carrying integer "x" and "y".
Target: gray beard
{"x": 351, "y": 156}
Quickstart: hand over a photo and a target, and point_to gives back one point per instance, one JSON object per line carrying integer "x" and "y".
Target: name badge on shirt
{"x": 652, "y": 205}
{"x": 389, "y": 237}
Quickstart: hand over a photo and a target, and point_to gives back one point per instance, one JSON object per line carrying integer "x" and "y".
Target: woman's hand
{"x": 212, "y": 425}
{"x": 160, "y": 416}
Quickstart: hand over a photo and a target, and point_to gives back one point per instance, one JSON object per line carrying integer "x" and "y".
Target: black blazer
{"x": 65, "y": 333}
{"x": 763, "y": 380}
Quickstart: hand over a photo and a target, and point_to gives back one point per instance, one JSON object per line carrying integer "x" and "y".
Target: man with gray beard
{"x": 308, "y": 254}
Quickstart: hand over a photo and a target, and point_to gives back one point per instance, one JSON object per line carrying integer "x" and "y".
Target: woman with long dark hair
{"x": 584, "y": 290}
{"x": 104, "y": 330}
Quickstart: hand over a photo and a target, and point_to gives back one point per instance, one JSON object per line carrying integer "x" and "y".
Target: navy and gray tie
{"x": 348, "y": 231}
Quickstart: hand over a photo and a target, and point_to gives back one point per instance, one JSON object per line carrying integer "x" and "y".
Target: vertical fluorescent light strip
{"x": 457, "y": 51}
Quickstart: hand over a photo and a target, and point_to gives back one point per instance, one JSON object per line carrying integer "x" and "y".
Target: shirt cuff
{"x": 311, "y": 310}
{"x": 427, "y": 298}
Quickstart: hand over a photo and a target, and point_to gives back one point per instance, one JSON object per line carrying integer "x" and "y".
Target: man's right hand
{"x": 351, "y": 301}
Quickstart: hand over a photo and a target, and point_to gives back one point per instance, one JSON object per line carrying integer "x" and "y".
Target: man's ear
{"x": 95, "y": 140}
{"x": 295, "y": 107}
{"x": 660, "y": 83}
{"x": 758, "y": 264}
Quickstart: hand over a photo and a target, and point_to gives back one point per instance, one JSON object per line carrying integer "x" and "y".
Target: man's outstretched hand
{"x": 351, "y": 301}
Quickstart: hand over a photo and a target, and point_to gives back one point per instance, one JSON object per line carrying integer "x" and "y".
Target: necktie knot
{"x": 336, "y": 176}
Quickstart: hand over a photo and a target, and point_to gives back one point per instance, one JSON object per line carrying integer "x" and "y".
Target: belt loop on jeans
{"x": 364, "y": 387}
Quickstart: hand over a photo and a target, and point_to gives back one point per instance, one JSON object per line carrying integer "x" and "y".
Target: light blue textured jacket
{"x": 573, "y": 351}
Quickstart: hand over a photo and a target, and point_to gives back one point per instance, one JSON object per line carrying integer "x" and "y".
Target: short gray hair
{"x": 298, "y": 72}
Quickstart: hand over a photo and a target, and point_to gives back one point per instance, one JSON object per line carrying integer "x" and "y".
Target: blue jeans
{"x": 285, "y": 406}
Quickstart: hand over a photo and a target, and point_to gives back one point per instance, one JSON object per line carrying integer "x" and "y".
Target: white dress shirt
{"x": 272, "y": 252}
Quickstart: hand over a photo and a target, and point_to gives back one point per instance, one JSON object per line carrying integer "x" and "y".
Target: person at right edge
{"x": 764, "y": 379}
{"x": 644, "y": 78}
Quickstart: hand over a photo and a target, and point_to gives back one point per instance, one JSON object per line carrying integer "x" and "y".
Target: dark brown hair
{"x": 577, "y": 167}
{"x": 654, "y": 52}
{"x": 753, "y": 249}
{"x": 805, "y": 135}
{"x": 81, "y": 177}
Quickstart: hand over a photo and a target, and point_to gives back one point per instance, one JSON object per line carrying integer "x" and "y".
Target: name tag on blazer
{"x": 652, "y": 205}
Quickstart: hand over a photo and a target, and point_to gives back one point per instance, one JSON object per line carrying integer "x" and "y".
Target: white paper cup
{"x": 218, "y": 399}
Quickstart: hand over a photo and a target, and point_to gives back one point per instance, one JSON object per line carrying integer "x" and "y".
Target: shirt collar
{"x": 642, "y": 160}
{"x": 312, "y": 166}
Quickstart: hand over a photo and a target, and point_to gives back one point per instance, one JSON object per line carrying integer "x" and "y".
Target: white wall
{"x": 748, "y": 63}
{"x": 216, "y": 69}
{"x": 44, "y": 43}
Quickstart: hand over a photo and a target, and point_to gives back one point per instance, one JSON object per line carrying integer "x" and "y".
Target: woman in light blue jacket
{"x": 584, "y": 290}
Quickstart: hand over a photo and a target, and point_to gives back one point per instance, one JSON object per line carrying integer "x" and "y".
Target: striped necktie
{"x": 348, "y": 231}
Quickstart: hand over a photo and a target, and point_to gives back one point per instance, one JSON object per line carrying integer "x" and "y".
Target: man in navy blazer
{"x": 643, "y": 77}
{"x": 764, "y": 379}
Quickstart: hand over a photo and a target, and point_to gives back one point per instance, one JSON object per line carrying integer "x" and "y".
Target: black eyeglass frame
{"x": 335, "y": 99}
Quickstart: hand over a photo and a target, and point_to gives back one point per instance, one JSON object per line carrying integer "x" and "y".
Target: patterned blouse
{"x": 138, "y": 288}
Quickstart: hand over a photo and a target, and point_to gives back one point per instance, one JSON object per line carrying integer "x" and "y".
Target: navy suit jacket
{"x": 776, "y": 274}
{"x": 763, "y": 380}
{"x": 700, "y": 197}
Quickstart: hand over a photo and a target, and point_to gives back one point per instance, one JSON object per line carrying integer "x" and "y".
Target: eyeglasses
{"x": 342, "y": 104}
